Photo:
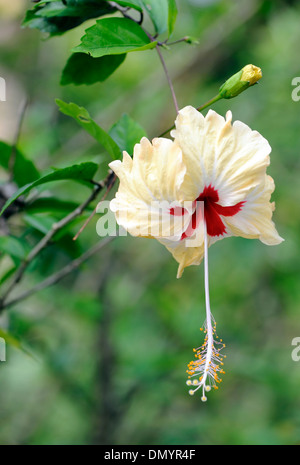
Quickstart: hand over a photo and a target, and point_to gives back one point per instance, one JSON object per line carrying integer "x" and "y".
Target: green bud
{"x": 247, "y": 77}
{"x": 191, "y": 40}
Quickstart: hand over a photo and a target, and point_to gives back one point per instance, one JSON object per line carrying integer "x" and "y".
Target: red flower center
{"x": 212, "y": 213}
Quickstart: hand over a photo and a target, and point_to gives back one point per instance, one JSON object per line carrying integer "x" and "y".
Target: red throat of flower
{"x": 212, "y": 213}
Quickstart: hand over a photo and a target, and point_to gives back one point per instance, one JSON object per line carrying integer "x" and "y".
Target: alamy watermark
{"x": 2, "y": 90}
{"x": 296, "y": 90}
{"x": 162, "y": 219}
{"x": 296, "y": 351}
{"x": 2, "y": 350}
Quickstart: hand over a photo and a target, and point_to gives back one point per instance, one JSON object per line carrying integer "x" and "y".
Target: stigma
{"x": 205, "y": 371}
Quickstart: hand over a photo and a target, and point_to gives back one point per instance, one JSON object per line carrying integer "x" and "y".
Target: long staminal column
{"x": 209, "y": 361}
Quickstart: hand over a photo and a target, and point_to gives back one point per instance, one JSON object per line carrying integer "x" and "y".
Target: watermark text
{"x": 2, "y": 350}
{"x": 2, "y": 90}
{"x": 296, "y": 351}
{"x": 296, "y": 90}
{"x": 172, "y": 221}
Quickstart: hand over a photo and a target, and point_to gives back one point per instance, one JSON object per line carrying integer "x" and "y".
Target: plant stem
{"x": 210, "y": 102}
{"x": 178, "y": 41}
{"x": 124, "y": 13}
{"x": 201, "y": 108}
{"x": 110, "y": 185}
{"x": 168, "y": 77}
{"x": 47, "y": 239}
{"x": 59, "y": 275}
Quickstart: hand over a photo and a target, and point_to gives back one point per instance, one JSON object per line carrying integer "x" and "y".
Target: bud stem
{"x": 210, "y": 102}
{"x": 201, "y": 108}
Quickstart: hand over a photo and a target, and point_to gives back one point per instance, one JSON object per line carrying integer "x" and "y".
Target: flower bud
{"x": 246, "y": 77}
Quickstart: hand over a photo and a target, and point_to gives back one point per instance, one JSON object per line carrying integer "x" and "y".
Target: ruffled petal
{"x": 186, "y": 252}
{"x": 231, "y": 158}
{"x": 254, "y": 221}
{"x": 197, "y": 137}
{"x": 242, "y": 160}
{"x": 190, "y": 251}
{"x": 150, "y": 186}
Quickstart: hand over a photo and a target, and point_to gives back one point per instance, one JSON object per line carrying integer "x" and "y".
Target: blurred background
{"x": 112, "y": 340}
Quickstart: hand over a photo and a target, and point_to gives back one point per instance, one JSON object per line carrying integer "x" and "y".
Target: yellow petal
{"x": 251, "y": 74}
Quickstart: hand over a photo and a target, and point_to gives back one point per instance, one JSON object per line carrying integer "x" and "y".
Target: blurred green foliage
{"x": 111, "y": 342}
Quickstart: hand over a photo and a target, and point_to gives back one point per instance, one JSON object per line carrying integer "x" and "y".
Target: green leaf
{"x": 24, "y": 170}
{"x": 114, "y": 36}
{"x": 41, "y": 223}
{"x": 84, "y": 69}
{"x": 7, "y": 274}
{"x": 56, "y": 17}
{"x": 126, "y": 133}
{"x": 14, "y": 247}
{"x": 83, "y": 118}
{"x": 136, "y": 4}
{"x": 80, "y": 173}
{"x": 172, "y": 15}
{"x": 50, "y": 204}
{"x": 14, "y": 342}
{"x": 158, "y": 10}
{"x": 161, "y": 12}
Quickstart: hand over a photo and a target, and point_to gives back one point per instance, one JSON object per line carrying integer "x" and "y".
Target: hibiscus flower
{"x": 207, "y": 184}
{"x": 210, "y": 161}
